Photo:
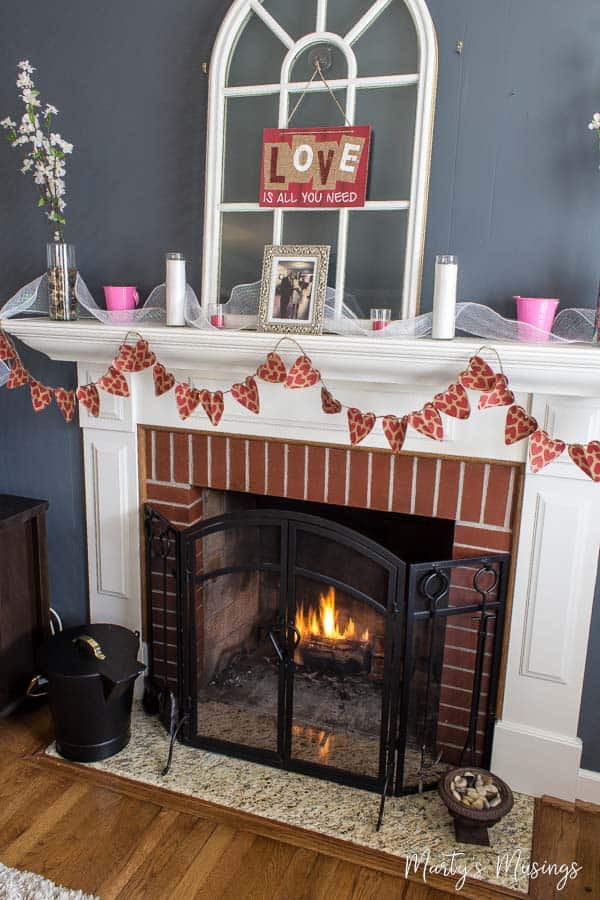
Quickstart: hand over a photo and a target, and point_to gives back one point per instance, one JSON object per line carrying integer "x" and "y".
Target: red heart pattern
{"x": 41, "y": 396}
{"x": 247, "y": 394}
{"x": 543, "y": 450}
{"x": 427, "y": 421}
{"x": 163, "y": 380}
{"x": 89, "y": 396}
{"x": 187, "y": 399}
{"x": 65, "y": 400}
{"x": 134, "y": 357}
{"x": 18, "y": 375}
{"x": 478, "y": 376}
{"x": 587, "y": 457}
{"x": 519, "y": 425}
{"x": 395, "y": 431}
{"x": 500, "y": 395}
{"x": 114, "y": 382}
{"x": 213, "y": 405}
{"x": 302, "y": 374}
{"x": 329, "y": 404}
{"x": 7, "y": 351}
{"x": 360, "y": 425}
{"x": 454, "y": 402}
{"x": 273, "y": 370}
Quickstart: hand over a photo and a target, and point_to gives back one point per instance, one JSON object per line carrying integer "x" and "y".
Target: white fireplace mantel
{"x": 536, "y": 747}
{"x": 568, "y": 369}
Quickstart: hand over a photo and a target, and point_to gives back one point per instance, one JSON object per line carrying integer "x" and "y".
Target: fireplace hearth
{"x": 298, "y": 640}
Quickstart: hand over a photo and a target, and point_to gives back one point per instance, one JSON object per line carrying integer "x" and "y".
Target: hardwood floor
{"x": 108, "y": 842}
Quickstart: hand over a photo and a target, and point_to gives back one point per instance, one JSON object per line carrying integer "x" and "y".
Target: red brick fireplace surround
{"x": 481, "y": 497}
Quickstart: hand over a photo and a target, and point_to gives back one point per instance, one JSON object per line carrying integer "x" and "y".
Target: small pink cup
{"x": 538, "y": 312}
{"x": 120, "y": 297}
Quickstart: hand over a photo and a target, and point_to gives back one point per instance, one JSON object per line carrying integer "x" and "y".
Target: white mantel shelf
{"x": 566, "y": 369}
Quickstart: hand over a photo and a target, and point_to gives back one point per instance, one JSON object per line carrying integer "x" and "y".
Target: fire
{"x": 324, "y": 622}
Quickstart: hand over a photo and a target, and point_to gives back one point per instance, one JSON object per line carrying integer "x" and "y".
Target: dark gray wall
{"x": 513, "y": 189}
{"x": 589, "y": 720}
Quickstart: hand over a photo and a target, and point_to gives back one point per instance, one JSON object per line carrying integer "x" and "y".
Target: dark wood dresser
{"x": 24, "y": 597}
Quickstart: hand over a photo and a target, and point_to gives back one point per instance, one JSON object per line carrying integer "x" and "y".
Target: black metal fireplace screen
{"x": 292, "y": 640}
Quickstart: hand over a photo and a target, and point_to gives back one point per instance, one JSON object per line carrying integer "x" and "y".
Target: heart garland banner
{"x": 493, "y": 388}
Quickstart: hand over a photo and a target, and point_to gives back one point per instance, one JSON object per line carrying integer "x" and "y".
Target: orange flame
{"x": 325, "y": 622}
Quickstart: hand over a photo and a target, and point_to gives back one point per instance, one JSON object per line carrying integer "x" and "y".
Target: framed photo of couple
{"x": 294, "y": 282}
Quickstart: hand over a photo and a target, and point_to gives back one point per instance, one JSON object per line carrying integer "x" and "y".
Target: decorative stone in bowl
{"x": 476, "y": 799}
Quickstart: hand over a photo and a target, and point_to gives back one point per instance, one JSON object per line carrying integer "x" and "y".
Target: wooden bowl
{"x": 471, "y": 825}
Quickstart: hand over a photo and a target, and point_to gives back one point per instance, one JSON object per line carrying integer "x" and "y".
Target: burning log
{"x": 340, "y": 657}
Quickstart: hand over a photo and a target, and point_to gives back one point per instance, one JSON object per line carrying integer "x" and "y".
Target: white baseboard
{"x": 537, "y": 762}
{"x": 588, "y": 786}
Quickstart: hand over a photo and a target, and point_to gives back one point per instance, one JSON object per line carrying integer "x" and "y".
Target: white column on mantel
{"x": 112, "y": 506}
{"x": 536, "y": 747}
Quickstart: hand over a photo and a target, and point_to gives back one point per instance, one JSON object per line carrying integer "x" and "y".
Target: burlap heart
{"x": 519, "y": 425}
{"x": 360, "y": 425}
{"x": 247, "y": 394}
{"x": 7, "y": 351}
{"x": 302, "y": 374}
{"x": 41, "y": 396}
{"x": 395, "y": 431}
{"x": 478, "y": 376}
{"x": 134, "y": 357}
{"x": 453, "y": 402}
{"x": 329, "y": 404}
{"x": 427, "y": 421}
{"x": 114, "y": 382}
{"x": 65, "y": 400}
{"x": 213, "y": 405}
{"x": 587, "y": 457}
{"x": 273, "y": 370}
{"x": 18, "y": 375}
{"x": 88, "y": 395}
{"x": 187, "y": 399}
{"x": 163, "y": 380}
{"x": 500, "y": 395}
{"x": 543, "y": 450}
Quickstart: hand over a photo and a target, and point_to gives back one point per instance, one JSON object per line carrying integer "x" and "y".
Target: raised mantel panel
{"x": 112, "y": 527}
{"x": 567, "y": 369}
{"x": 553, "y": 598}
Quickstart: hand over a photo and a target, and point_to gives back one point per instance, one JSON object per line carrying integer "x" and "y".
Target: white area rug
{"x": 16, "y": 885}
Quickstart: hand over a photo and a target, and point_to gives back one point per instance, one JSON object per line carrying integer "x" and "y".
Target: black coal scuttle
{"x": 91, "y": 672}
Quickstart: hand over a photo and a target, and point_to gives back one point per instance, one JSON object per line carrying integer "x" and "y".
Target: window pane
{"x": 376, "y": 251}
{"x": 343, "y": 14}
{"x": 296, "y": 18}
{"x": 318, "y": 227}
{"x": 389, "y": 46}
{"x": 317, "y": 109}
{"x": 246, "y": 117}
{"x": 244, "y": 236}
{"x": 391, "y": 113}
{"x": 257, "y": 56}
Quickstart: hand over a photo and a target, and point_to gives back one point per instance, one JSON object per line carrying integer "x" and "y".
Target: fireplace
{"x": 344, "y": 643}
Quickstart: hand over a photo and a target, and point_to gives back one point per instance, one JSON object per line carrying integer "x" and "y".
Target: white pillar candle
{"x": 444, "y": 297}
{"x": 175, "y": 286}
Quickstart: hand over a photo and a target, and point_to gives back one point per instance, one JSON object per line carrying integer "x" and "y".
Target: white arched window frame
{"x": 426, "y": 81}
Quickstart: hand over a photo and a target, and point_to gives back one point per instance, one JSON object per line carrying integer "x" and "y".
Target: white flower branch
{"x": 46, "y": 149}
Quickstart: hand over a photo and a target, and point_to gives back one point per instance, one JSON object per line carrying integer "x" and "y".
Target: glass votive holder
{"x": 216, "y": 316}
{"x": 380, "y": 319}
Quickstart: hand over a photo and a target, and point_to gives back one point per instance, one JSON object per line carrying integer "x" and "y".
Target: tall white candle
{"x": 175, "y": 285}
{"x": 444, "y": 297}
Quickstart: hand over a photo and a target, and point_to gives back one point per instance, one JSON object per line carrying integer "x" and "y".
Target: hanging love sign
{"x": 315, "y": 167}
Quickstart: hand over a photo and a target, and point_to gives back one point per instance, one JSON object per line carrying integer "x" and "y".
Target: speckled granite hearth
{"x": 416, "y": 824}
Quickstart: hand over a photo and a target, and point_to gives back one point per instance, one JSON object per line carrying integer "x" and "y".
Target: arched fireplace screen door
{"x": 301, "y": 643}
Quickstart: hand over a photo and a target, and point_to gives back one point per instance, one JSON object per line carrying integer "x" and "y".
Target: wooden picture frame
{"x": 293, "y": 286}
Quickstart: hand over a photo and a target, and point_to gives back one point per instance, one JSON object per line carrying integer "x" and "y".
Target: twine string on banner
{"x": 318, "y": 71}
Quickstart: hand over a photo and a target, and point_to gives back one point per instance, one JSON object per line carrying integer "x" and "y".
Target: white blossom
{"x": 8, "y": 123}
{"x": 27, "y": 165}
{"x": 595, "y": 123}
{"x": 29, "y": 97}
{"x": 25, "y": 66}
{"x": 50, "y": 110}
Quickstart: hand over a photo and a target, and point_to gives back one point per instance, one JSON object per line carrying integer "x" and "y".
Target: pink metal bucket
{"x": 538, "y": 312}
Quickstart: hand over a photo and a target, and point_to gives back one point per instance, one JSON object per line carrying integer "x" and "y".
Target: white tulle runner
{"x": 241, "y": 313}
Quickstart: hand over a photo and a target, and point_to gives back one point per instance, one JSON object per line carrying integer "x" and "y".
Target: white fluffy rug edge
{"x": 17, "y": 885}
